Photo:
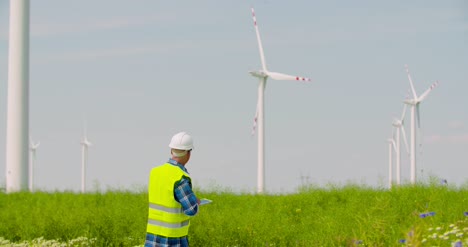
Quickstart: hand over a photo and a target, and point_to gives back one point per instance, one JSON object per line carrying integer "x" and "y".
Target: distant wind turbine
{"x": 391, "y": 146}
{"x": 398, "y": 125}
{"x": 85, "y": 144}
{"x": 414, "y": 104}
{"x": 263, "y": 75}
{"x": 32, "y": 148}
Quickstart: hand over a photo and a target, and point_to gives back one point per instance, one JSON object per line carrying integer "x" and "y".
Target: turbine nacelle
{"x": 391, "y": 141}
{"x": 259, "y": 74}
{"x": 86, "y": 142}
{"x": 34, "y": 146}
{"x": 411, "y": 102}
{"x": 397, "y": 123}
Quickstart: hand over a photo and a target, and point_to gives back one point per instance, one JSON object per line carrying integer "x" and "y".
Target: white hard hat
{"x": 181, "y": 141}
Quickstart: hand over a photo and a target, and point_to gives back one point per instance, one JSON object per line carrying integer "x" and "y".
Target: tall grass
{"x": 333, "y": 216}
{"x": 344, "y": 216}
{"x": 115, "y": 218}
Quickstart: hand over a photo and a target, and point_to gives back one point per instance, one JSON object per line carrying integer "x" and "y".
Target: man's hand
{"x": 198, "y": 201}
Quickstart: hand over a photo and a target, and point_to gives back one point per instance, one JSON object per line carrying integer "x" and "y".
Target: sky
{"x": 138, "y": 72}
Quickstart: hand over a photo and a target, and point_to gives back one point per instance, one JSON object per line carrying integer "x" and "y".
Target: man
{"x": 171, "y": 199}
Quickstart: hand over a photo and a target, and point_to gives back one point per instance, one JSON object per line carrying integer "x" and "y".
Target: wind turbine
{"x": 32, "y": 148}
{"x": 398, "y": 125}
{"x": 414, "y": 104}
{"x": 85, "y": 144}
{"x": 263, "y": 74}
{"x": 391, "y": 146}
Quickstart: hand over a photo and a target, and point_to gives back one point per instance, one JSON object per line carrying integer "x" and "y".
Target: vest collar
{"x": 173, "y": 162}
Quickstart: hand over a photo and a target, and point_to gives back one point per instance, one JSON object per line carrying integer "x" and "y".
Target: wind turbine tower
{"x": 414, "y": 104}
{"x": 85, "y": 144}
{"x": 263, "y": 74}
{"x": 17, "y": 143}
{"x": 398, "y": 125}
{"x": 391, "y": 146}
{"x": 32, "y": 149}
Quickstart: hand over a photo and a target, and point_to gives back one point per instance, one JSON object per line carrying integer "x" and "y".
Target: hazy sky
{"x": 141, "y": 71}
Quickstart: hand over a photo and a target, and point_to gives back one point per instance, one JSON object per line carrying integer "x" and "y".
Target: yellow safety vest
{"x": 166, "y": 216}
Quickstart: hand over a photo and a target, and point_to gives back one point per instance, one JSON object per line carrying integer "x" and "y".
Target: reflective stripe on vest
{"x": 166, "y": 209}
{"x": 168, "y": 225}
{"x": 165, "y": 215}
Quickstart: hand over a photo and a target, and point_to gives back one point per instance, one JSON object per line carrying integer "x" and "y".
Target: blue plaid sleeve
{"x": 156, "y": 240}
{"x": 184, "y": 195}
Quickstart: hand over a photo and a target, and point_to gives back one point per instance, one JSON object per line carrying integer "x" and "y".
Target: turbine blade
{"x": 393, "y": 144}
{"x": 411, "y": 83}
{"x": 403, "y": 113}
{"x": 408, "y": 93}
{"x": 404, "y": 138}
{"x": 254, "y": 124}
{"x": 84, "y": 126}
{"x": 285, "y": 77}
{"x": 426, "y": 93}
{"x": 255, "y": 121}
{"x": 260, "y": 47}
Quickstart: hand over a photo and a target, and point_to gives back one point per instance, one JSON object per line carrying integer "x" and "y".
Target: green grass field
{"x": 333, "y": 216}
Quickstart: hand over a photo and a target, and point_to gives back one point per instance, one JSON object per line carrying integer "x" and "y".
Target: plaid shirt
{"x": 159, "y": 241}
{"x": 184, "y": 195}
